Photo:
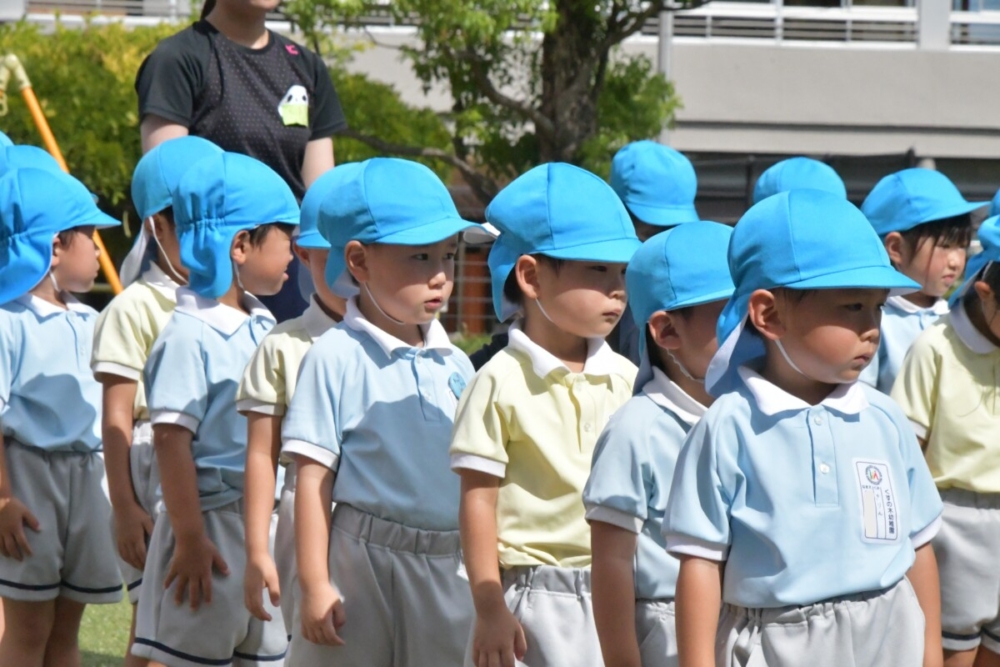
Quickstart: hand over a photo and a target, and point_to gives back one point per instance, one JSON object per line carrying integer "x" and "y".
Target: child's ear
{"x": 661, "y": 327}
{"x": 526, "y": 271}
{"x": 57, "y": 250}
{"x": 986, "y": 294}
{"x": 765, "y": 314}
{"x": 240, "y": 247}
{"x": 896, "y": 248}
{"x": 356, "y": 258}
{"x": 301, "y": 253}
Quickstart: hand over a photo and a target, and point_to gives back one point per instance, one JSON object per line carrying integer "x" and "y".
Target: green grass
{"x": 104, "y": 634}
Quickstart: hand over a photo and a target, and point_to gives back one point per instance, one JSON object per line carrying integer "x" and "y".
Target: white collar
{"x": 940, "y": 306}
{"x": 667, "y": 394}
{"x": 968, "y": 334}
{"x": 848, "y": 398}
{"x": 224, "y": 319}
{"x": 315, "y": 319}
{"x": 163, "y": 284}
{"x": 42, "y": 308}
{"x": 435, "y": 337}
{"x": 600, "y": 357}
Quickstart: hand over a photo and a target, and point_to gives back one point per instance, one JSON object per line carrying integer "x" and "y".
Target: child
{"x": 678, "y": 283}
{"x": 528, "y": 423}
{"x": 124, "y": 337}
{"x": 924, "y": 222}
{"x": 233, "y": 217}
{"x": 798, "y": 173}
{"x": 947, "y": 387}
{"x": 56, "y": 552}
{"x": 263, "y": 397}
{"x": 369, "y": 426}
{"x": 801, "y": 500}
{"x": 657, "y": 185}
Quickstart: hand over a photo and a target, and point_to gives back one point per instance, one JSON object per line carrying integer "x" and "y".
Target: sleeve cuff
{"x": 482, "y": 464}
{"x": 926, "y": 534}
{"x": 623, "y": 520}
{"x": 260, "y": 407}
{"x": 166, "y": 114}
{"x": 692, "y": 546}
{"x": 111, "y": 368}
{"x": 919, "y": 430}
{"x": 318, "y": 454}
{"x": 174, "y": 418}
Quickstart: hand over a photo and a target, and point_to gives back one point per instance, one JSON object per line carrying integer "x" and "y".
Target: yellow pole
{"x": 12, "y": 66}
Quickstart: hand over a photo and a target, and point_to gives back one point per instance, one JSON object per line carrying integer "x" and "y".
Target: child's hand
{"x": 132, "y": 527}
{"x": 261, "y": 573}
{"x": 322, "y": 612}
{"x": 191, "y": 567}
{"x": 14, "y": 516}
{"x": 498, "y": 640}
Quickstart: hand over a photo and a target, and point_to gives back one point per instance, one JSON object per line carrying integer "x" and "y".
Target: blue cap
{"x": 309, "y": 236}
{"x": 801, "y": 239}
{"x": 159, "y": 171}
{"x": 560, "y": 211}
{"x": 216, "y": 198}
{"x": 656, "y": 183}
{"x": 681, "y": 267}
{"x": 797, "y": 173}
{"x": 25, "y": 157}
{"x": 385, "y": 200}
{"x": 5, "y": 140}
{"x": 912, "y": 197}
{"x": 35, "y": 205}
{"x": 989, "y": 238}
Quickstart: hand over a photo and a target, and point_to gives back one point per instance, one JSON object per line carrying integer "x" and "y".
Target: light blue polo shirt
{"x": 48, "y": 395}
{"x": 191, "y": 380}
{"x": 630, "y": 480}
{"x": 804, "y": 503}
{"x": 379, "y": 413}
{"x": 902, "y": 322}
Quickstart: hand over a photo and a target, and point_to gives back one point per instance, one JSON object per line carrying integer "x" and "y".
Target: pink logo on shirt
{"x": 291, "y": 48}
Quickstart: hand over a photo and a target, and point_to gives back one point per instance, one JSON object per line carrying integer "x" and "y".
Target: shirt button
{"x": 818, "y": 420}
{"x": 587, "y": 427}
{"x": 824, "y": 468}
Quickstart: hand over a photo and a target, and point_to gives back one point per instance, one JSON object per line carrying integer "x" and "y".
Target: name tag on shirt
{"x": 879, "y": 507}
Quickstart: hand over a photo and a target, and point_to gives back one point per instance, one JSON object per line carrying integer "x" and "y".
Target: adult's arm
{"x": 318, "y": 159}
{"x": 154, "y": 130}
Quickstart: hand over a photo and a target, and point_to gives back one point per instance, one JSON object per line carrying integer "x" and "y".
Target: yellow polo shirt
{"x": 948, "y": 387}
{"x": 269, "y": 380}
{"x": 528, "y": 420}
{"x": 128, "y": 327}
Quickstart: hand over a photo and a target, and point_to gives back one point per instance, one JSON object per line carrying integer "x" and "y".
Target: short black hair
{"x": 512, "y": 291}
{"x": 259, "y": 234}
{"x": 954, "y": 231}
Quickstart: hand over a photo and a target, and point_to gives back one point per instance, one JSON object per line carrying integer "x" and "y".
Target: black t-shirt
{"x": 267, "y": 103}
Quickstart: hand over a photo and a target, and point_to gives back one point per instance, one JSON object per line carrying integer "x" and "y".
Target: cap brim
{"x": 940, "y": 214}
{"x": 614, "y": 251}
{"x": 312, "y": 240}
{"x": 869, "y": 277}
{"x": 99, "y": 219}
{"x": 432, "y": 232}
{"x": 480, "y": 234}
{"x": 664, "y": 216}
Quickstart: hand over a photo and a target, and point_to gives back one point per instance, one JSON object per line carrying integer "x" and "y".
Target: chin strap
{"x": 379, "y": 308}
{"x": 781, "y": 348}
{"x": 684, "y": 371}
{"x": 163, "y": 253}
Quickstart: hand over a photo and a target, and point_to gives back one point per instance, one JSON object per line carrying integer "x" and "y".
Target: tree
{"x": 532, "y": 81}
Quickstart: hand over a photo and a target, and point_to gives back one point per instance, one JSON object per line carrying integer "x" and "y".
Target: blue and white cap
{"x": 153, "y": 183}
{"x": 656, "y": 183}
{"x": 560, "y": 211}
{"x": 216, "y": 198}
{"x": 35, "y": 205}
{"x": 912, "y": 197}
{"x": 795, "y": 174}
{"x": 801, "y": 239}
{"x": 681, "y": 267}
{"x": 384, "y": 200}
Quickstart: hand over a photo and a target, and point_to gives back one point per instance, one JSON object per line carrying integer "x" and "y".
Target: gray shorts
{"x": 967, "y": 548}
{"x": 404, "y": 601}
{"x": 146, "y": 482}
{"x": 877, "y": 629}
{"x": 554, "y": 607}
{"x": 74, "y": 555}
{"x": 220, "y": 633}
{"x": 284, "y": 549}
{"x": 656, "y": 631}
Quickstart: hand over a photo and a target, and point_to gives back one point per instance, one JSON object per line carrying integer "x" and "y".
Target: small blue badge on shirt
{"x": 457, "y": 384}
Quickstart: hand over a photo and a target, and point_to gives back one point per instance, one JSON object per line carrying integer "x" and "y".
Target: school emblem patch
{"x": 879, "y": 505}
{"x": 457, "y": 384}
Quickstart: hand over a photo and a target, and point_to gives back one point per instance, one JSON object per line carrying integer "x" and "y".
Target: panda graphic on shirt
{"x": 294, "y": 106}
